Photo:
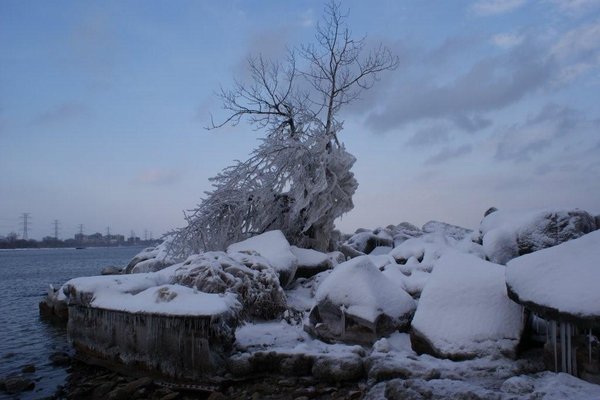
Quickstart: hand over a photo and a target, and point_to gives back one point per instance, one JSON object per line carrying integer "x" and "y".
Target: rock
{"x": 356, "y": 303}
{"x": 465, "y": 312}
{"x": 157, "y": 258}
{"x": 17, "y": 384}
{"x": 27, "y": 369}
{"x": 170, "y": 396}
{"x": 137, "y": 384}
{"x": 275, "y": 248}
{"x": 519, "y": 385}
{"x": 507, "y": 235}
{"x": 217, "y": 396}
{"x": 110, "y": 270}
{"x": 103, "y": 389}
{"x": 312, "y": 262}
{"x": 53, "y": 306}
{"x": 250, "y": 276}
{"x": 60, "y": 358}
{"x": 448, "y": 230}
{"x": 338, "y": 369}
{"x": 365, "y": 242}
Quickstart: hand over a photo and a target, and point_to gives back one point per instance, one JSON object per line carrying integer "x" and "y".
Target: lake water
{"x": 24, "y": 279}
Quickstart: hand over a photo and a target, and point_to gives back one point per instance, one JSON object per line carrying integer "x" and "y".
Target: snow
{"x": 359, "y": 286}
{"x": 282, "y": 337}
{"x": 147, "y": 293}
{"x": 309, "y": 257}
{"x": 271, "y": 245}
{"x": 167, "y": 299}
{"x": 464, "y": 308}
{"x": 564, "y": 277}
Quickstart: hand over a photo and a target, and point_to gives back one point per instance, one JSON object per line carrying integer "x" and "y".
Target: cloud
{"x": 494, "y": 7}
{"x": 61, "y": 113}
{"x": 578, "y": 51}
{"x": 575, "y": 7}
{"x": 507, "y": 40}
{"x": 447, "y": 154}
{"x": 429, "y": 136}
{"x": 490, "y": 84}
{"x": 158, "y": 177}
{"x": 520, "y": 143}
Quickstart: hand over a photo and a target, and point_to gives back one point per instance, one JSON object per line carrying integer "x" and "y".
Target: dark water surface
{"x": 24, "y": 279}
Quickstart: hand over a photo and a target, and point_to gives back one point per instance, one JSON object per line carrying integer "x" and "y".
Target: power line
{"x": 25, "y": 218}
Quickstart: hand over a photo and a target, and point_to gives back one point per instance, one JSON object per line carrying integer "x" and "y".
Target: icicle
{"x": 590, "y": 346}
{"x": 569, "y": 350}
{"x": 555, "y": 346}
{"x": 563, "y": 345}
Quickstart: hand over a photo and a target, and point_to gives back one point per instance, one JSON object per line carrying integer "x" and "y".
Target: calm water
{"x": 24, "y": 279}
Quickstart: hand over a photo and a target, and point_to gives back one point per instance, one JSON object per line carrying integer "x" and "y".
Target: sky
{"x": 103, "y": 108}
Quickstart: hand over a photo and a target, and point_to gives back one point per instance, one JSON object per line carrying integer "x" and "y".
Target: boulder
{"x": 250, "y": 277}
{"x": 448, "y": 230}
{"x": 110, "y": 270}
{"x": 357, "y": 304}
{"x": 17, "y": 384}
{"x": 54, "y": 305}
{"x": 312, "y": 262}
{"x": 507, "y": 235}
{"x": 464, "y": 311}
{"x": 150, "y": 259}
{"x": 274, "y": 247}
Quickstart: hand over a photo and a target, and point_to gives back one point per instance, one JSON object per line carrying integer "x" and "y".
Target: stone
{"x": 338, "y": 369}
{"x": 27, "y": 369}
{"x": 137, "y": 384}
{"x": 217, "y": 396}
{"x": 356, "y": 303}
{"x": 60, "y": 358}
{"x": 17, "y": 384}
{"x": 507, "y": 235}
{"x": 110, "y": 270}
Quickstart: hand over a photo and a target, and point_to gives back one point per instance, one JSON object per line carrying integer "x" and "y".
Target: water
{"x": 24, "y": 279}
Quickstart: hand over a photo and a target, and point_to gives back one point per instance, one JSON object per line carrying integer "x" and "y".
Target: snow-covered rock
{"x": 564, "y": 279}
{"x": 250, "y": 277}
{"x": 453, "y": 231}
{"x": 151, "y": 259}
{"x": 311, "y": 262}
{"x": 356, "y": 303}
{"x": 464, "y": 310}
{"x": 508, "y": 234}
{"x": 365, "y": 241}
{"x": 275, "y": 248}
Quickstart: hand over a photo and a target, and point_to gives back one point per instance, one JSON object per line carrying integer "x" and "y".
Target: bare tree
{"x": 299, "y": 179}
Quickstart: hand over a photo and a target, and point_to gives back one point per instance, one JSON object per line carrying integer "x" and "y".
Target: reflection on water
{"x": 24, "y": 279}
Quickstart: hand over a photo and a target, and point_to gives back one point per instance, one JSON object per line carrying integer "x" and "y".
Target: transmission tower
{"x": 81, "y": 229}
{"x": 145, "y": 234}
{"x": 25, "y": 218}
{"x": 55, "y": 223}
{"x": 108, "y": 232}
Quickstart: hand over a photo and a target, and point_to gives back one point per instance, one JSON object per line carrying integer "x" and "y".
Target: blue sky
{"x": 103, "y": 107}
